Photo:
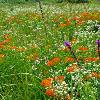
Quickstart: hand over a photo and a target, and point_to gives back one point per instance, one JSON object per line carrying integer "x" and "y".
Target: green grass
{"x": 38, "y": 40}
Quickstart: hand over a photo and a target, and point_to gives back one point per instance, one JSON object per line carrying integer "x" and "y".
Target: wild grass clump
{"x": 52, "y": 58}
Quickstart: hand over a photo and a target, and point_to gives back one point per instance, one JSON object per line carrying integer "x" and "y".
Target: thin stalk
{"x": 99, "y": 50}
{"x": 76, "y": 59}
{"x": 42, "y": 14}
{"x": 41, "y": 9}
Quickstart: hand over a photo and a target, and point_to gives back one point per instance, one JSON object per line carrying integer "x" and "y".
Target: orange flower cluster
{"x": 84, "y": 14}
{"x": 47, "y": 82}
{"x": 62, "y": 25}
{"x": 1, "y": 46}
{"x": 83, "y": 48}
{"x": 90, "y": 59}
{"x": 95, "y": 74}
{"x": 10, "y": 19}
{"x": 13, "y": 47}
{"x": 76, "y": 18}
{"x": 19, "y": 49}
{"x": 7, "y": 40}
{"x": 67, "y": 23}
{"x": 81, "y": 19}
{"x": 59, "y": 79}
{"x": 72, "y": 68}
{"x": 53, "y": 61}
{"x": 90, "y": 16}
{"x": 78, "y": 21}
{"x": 92, "y": 74}
{"x": 50, "y": 92}
{"x": 69, "y": 59}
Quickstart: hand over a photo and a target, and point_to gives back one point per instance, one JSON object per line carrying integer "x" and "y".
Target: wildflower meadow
{"x": 49, "y": 50}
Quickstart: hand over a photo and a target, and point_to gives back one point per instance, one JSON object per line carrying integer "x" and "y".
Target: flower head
{"x": 66, "y": 43}
{"x": 59, "y": 78}
{"x": 46, "y": 83}
{"x": 53, "y": 61}
{"x": 72, "y": 68}
{"x": 98, "y": 42}
{"x": 83, "y": 48}
{"x": 50, "y": 92}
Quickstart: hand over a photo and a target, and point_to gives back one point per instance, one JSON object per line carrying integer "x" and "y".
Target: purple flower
{"x": 66, "y": 43}
{"x": 98, "y": 42}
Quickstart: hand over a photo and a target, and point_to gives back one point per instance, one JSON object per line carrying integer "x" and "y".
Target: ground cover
{"x": 52, "y": 58}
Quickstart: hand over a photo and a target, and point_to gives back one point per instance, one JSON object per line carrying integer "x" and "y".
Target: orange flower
{"x": 6, "y": 36}
{"x": 83, "y": 48}
{"x": 5, "y": 41}
{"x": 36, "y": 56}
{"x": 69, "y": 59}
{"x": 59, "y": 78}
{"x": 72, "y": 68}
{"x": 50, "y": 63}
{"x": 50, "y": 79}
{"x": 76, "y": 18}
{"x": 90, "y": 59}
{"x": 1, "y": 46}
{"x": 10, "y": 19}
{"x": 56, "y": 59}
{"x": 80, "y": 22}
{"x": 68, "y": 22}
{"x": 87, "y": 77}
{"x": 50, "y": 92}
{"x": 13, "y": 47}
{"x": 46, "y": 83}
{"x": 62, "y": 25}
{"x": 53, "y": 61}
{"x": 95, "y": 74}
{"x": 2, "y": 55}
{"x": 85, "y": 14}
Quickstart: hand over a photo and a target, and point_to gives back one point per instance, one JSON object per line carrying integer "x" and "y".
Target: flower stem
{"x": 76, "y": 59}
{"x": 99, "y": 50}
{"x": 40, "y": 6}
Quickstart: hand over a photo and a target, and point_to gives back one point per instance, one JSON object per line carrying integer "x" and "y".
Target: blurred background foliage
{"x": 56, "y": 1}
{"x": 49, "y": 1}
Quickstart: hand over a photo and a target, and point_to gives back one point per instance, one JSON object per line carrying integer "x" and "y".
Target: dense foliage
{"x": 59, "y": 1}
{"x": 53, "y": 56}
